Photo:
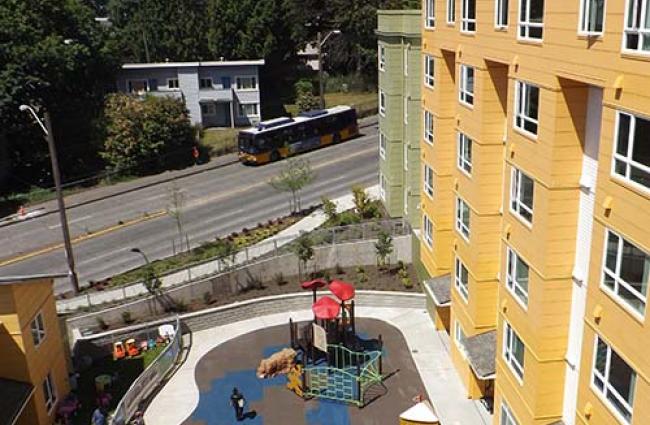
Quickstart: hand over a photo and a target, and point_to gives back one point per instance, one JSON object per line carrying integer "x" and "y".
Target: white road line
{"x": 76, "y": 220}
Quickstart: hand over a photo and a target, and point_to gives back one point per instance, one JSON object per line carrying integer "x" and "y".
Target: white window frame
{"x": 383, "y": 144}
{"x": 382, "y": 103}
{"x": 467, "y": 24}
{"x": 429, "y": 14}
{"x": 631, "y": 30}
{"x": 465, "y": 96}
{"x": 406, "y": 157}
{"x": 627, "y": 159}
{"x": 245, "y": 114}
{"x": 516, "y": 202}
{"x": 499, "y": 7}
{"x": 608, "y": 389}
{"x": 129, "y": 86}
{"x": 406, "y": 110}
{"x": 522, "y": 92}
{"x": 618, "y": 280}
{"x": 464, "y": 162}
{"x": 37, "y": 328}
{"x": 406, "y": 60}
{"x": 507, "y": 417}
{"x": 461, "y": 287}
{"x": 429, "y": 71}
{"x": 175, "y": 87}
{"x": 406, "y": 200}
{"x": 451, "y": 12}
{"x": 427, "y": 226}
{"x": 428, "y": 127}
{"x": 516, "y": 367}
{"x": 584, "y": 19}
{"x": 512, "y": 284}
{"x": 382, "y": 186}
{"x": 428, "y": 187}
{"x": 459, "y": 338}
{"x": 463, "y": 210}
{"x": 526, "y": 25}
{"x": 49, "y": 393}
{"x": 203, "y": 86}
{"x": 382, "y": 58}
{"x": 240, "y": 78}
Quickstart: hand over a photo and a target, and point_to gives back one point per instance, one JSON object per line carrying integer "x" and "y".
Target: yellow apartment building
{"x": 33, "y": 365}
{"x": 535, "y": 203}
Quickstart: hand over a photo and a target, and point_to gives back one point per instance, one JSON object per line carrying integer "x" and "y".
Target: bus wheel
{"x": 275, "y": 156}
{"x": 336, "y": 139}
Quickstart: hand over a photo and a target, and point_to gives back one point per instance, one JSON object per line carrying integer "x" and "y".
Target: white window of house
{"x": 451, "y": 11}
{"x": 248, "y": 110}
{"x": 49, "y": 392}
{"x": 428, "y": 230}
{"x": 382, "y": 145}
{"x": 406, "y": 157}
{"x": 428, "y": 127}
{"x": 522, "y": 192}
{"x": 501, "y": 14}
{"x": 464, "y": 154}
{"x": 38, "y": 329}
{"x": 406, "y": 200}
{"x": 614, "y": 380}
{"x": 429, "y": 72}
{"x": 637, "y": 27}
{"x": 468, "y": 16}
{"x": 248, "y": 82}
{"x": 513, "y": 351}
{"x": 137, "y": 86}
{"x": 626, "y": 272}
{"x": 460, "y": 338}
{"x": 406, "y": 61}
{"x": 382, "y": 186}
{"x": 531, "y": 19}
{"x": 428, "y": 181}
{"x": 172, "y": 84}
{"x": 382, "y": 103}
{"x": 466, "y": 86}
{"x": 592, "y": 16}
{"x": 430, "y": 14}
{"x": 205, "y": 83}
{"x": 461, "y": 280}
{"x": 527, "y": 108}
{"x": 462, "y": 218}
{"x": 406, "y": 110}
{"x": 517, "y": 277}
{"x": 382, "y": 57}
{"x": 507, "y": 417}
{"x": 632, "y": 148}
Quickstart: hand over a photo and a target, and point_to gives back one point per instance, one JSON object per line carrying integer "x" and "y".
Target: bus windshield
{"x": 246, "y": 143}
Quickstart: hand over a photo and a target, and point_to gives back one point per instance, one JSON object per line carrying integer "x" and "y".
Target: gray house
{"x": 217, "y": 94}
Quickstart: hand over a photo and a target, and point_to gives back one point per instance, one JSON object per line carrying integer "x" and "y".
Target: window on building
{"x": 428, "y": 180}
{"x": 626, "y": 272}
{"x": 428, "y": 230}
{"x": 466, "y": 87}
{"x": 521, "y": 195}
{"x": 429, "y": 72}
{"x": 406, "y": 61}
{"x": 501, "y": 14}
{"x": 205, "y": 83}
{"x": 49, "y": 392}
{"x": 246, "y": 83}
{"x": 382, "y": 186}
{"x": 382, "y": 103}
{"x": 507, "y": 418}
{"x": 406, "y": 157}
{"x": 461, "y": 280}
{"x": 249, "y": 110}
{"x": 208, "y": 109}
{"x": 513, "y": 351}
{"x": 428, "y": 127}
{"x": 614, "y": 379}
{"x": 632, "y": 150}
{"x": 464, "y": 153}
{"x": 468, "y": 16}
{"x": 406, "y": 110}
{"x": 382, "y": 145}
{"x": 137, "y": 86}
{"x": 430, "y": 14}
{"x": 517, "y": 277}
{"x": 592, "y": 13}
{"x": 459, "y": 337}
{"x": 451, "y": 11}
{"x": 637, "y": 26}
{"x": 462, "y": 218}
{"x": 531, "y": 19}
{"x": 527, "y": 108}
{"x": 172, "y": 83}
{"x": 406, "y": 200}
{"x": 382, "y": 57}
{"x": 38, "y": 329}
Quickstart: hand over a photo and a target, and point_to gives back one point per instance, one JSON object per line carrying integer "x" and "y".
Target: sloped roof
{"x": 440, "y": 288}
{"x": 481, "y": 352}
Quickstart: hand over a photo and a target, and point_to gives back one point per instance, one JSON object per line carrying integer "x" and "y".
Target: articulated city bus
{"x": 282, "y": 137}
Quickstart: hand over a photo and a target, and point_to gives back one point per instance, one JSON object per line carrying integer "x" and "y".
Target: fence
{"x": 273, "y": 247}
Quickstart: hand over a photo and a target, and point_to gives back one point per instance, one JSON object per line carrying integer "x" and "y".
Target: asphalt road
{"x": 216, "y": 203}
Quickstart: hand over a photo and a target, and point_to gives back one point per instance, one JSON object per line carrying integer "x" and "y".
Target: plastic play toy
{"x": 118, "y": 350}
{"x": 132, "y": 349}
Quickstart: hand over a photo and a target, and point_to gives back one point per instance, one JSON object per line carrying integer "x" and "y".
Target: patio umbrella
{"x": 314, "y": 285}
{"x": 344, "y": 291}
{"x": 326, "y": 308}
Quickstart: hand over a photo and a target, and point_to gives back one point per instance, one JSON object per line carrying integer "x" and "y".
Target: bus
{"x": 282, "y": 137}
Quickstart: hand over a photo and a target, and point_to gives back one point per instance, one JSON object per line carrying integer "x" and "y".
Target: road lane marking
{"x": 76, "y": 220}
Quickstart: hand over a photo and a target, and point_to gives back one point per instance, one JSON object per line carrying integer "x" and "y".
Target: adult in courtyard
{"x": 237, "y": 401}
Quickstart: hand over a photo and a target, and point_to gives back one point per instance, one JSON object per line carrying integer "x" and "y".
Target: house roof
{"x": 255, "y": 62}
{"x": 439, "y": 288}
{"x": 14, "y": 395}
{"x": 481, "y": 352}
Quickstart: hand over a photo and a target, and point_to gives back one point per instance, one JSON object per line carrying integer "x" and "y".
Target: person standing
{"x": 99, "y": 416}
{"x": 237, "y": 401}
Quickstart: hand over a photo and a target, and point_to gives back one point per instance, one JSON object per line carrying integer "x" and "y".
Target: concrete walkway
{"x": 429, "y": 348}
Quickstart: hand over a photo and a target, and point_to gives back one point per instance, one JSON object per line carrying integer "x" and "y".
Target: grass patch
{"x": 219, "y": 141}
{"x": 364, "y": 102}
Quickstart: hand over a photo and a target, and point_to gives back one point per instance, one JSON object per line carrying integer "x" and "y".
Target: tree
{"x": 147, "y": 135}
{"x": 329, "y": 208}
{"x": 305, "y": 99}
{"x": 383, "y": 247}
{"x": 364, "y": 206}
{"x": 295, "y": 175}
{"x": 175, "y": 211}
{"x": 303, "y": 248}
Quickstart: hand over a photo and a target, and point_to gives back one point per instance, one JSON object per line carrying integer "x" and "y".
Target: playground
{"x": 342, "y": 399}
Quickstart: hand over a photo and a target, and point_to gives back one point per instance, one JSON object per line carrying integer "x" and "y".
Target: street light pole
{"x": 49, "y": 137}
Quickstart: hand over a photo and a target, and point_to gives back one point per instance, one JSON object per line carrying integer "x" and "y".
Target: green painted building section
{"x": 400, "y": 120}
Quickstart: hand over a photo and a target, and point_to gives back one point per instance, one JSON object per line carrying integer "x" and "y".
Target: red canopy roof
{"x": 326, "y": 308}
{"x": 313, "y": 284}
{"x": 344, "y": 291}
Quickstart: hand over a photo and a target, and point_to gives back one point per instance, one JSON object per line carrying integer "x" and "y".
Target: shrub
{"x": 329, "y": 207}
{"x": 102, "y": 324}
{"x": 338, "y": 269}
{"x": 279, "y": 279}
{"x": 207, "y": 298}
{"x": 126, "y": 317}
